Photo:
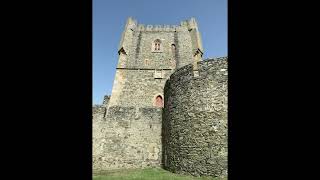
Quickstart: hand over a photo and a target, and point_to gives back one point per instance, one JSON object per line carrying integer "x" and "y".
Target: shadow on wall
{"x": 194, "y": 120}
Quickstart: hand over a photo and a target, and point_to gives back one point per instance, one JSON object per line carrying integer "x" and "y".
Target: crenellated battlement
{"x": 181, "y": 44}
{"x": 133, "y": 25}
{"x": 156, "y": 28}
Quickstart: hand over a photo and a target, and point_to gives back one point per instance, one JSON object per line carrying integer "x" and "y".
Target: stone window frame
{"x": 156, "y": 71}
{"x": 159, "y": 43}
{"x": 146, "y": 62}
{"x": 173, "y": 47}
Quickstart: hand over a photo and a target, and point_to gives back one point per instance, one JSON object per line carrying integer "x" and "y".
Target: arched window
{"x": 157, "y": 45}
{"x": 173, "y": 48}
{"x": 159, "y": 101}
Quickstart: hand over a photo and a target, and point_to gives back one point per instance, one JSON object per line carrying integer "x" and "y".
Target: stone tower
{"x": 168, "y": 108}
{"x": 148, "y": 55}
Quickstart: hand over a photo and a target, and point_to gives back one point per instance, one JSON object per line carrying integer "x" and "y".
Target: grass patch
{"x": 146, "y": 174}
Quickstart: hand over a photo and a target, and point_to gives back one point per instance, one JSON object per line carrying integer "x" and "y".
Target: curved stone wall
{"x": 195, "y": 120}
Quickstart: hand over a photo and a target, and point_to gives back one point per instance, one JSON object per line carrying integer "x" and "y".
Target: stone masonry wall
{"x": 98, "y": 112}
{"x": 137, "y": 87}
{"x": 141, "y": 71}
{"x": 127, "y": 137}
{"x": 195, "y": 120}
{"x": 187, "y": 136}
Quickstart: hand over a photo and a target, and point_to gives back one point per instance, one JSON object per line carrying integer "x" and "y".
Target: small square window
{"x": 158, "y": 74}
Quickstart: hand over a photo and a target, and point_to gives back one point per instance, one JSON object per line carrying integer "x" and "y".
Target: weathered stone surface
{"x": 141, "y": 72}
{"x": 188, "y": 135}
{"x": 127, "y": 138}
{"x": 195, "y": 120}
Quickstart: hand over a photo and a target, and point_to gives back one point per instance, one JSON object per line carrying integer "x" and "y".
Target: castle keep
{"x": 147, "y": 57}
{"x": 168, "y": 107}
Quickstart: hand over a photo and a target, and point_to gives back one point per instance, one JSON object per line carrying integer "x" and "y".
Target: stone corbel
{"x": 198, "y": 51}
{"x": 122, "y": 51}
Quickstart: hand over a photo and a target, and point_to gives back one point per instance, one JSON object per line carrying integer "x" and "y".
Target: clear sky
{"x": 110, "y": 16}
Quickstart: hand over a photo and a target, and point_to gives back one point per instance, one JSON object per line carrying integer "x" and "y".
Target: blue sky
{"x": 109, "y": 18}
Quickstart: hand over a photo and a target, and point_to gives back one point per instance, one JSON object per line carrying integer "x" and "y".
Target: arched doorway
{"x": 159, "y": 101}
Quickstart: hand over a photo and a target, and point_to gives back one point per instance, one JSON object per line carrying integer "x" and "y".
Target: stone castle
{"x": 168, "y": 107}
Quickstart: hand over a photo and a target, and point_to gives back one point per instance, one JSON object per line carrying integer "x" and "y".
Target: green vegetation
{"x": 146, "y": 174}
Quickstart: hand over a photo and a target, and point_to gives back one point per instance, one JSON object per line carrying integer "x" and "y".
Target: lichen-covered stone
{"x": 142, "y": 72}
{"x": 188, "y": 135}
{"x": 195, "y": 120}
{"x": 128, "y": 137}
